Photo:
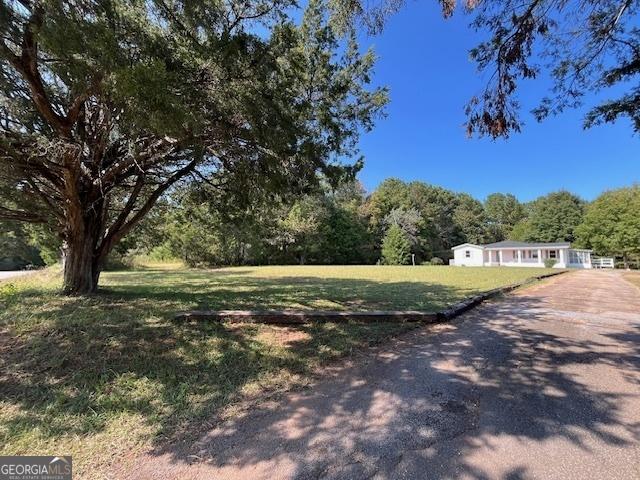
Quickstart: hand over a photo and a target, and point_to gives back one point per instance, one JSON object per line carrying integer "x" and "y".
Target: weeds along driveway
{"x": 542, "y": 384}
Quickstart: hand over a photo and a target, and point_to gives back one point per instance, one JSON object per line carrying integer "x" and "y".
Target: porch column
{"x": 562, "y": 256}
{"x": 540, "y": 256}
{"x": 500, "y": 257}
{"x": 519, "y": 256}
{"x": 489, "y": 254}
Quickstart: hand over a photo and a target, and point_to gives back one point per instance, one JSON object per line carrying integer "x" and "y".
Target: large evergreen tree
{"x": 396, "y": 247}
{"x": 106, "y": 105}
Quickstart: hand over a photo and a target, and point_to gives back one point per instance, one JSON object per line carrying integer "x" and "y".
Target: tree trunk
{"x": 81, "y": 271}
{"x": 84, "y": 248}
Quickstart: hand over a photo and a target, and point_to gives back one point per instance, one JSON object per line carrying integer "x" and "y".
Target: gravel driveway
{"x": 544, "y": 384}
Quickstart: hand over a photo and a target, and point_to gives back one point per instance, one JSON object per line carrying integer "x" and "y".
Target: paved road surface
{"x": 16, "y": 273}
{"x": 542, "y": 385}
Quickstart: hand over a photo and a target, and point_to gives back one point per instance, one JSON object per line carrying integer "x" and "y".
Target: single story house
{"x": 509, "y": 253}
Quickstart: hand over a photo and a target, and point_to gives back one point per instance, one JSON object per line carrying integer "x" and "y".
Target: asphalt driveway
{"x": 544, "y": 384}
{"x": 5, "y": 275}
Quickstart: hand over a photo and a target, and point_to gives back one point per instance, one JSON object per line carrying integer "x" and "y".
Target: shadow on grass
{"x": 433, "y": 402}
{"x": 71, "y": 366}
{"x": 288, "y": 292}
{"x": 74, "y": 366}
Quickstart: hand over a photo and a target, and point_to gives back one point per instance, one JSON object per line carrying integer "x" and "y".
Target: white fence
{"x": 602, "y": 262}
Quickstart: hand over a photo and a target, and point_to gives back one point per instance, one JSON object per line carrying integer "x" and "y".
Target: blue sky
{"x": 423, "y": 59}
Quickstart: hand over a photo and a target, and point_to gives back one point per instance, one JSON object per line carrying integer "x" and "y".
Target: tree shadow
{"x": 292, "y": 292}
{"x": 426, "y": 406}
{"x": 70, "y": 366}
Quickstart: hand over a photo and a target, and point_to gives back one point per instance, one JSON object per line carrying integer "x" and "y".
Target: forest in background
{"x": 345, "y": 225}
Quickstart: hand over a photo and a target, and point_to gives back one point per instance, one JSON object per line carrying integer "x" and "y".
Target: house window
{"x": 534, "y": 253}
{"x": 577, "y": 257}
{"x": 552, "y": 254}
{"x": 467, "y": 253}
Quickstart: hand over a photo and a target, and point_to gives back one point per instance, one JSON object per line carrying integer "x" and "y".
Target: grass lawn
{"x": 101, "y": 376}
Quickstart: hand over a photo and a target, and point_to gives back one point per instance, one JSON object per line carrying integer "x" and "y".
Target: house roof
{"x": 514, "y": 244}
{"x": 467, "y": 245}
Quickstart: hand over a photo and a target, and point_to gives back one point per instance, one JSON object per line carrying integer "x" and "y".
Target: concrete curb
{"x": 303, "y": 316}
{"x": 298, "y": 317}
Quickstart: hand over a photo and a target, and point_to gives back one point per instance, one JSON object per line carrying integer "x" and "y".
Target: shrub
{"x": 550, "y": 262}
{"x": 162, "y": 253}
{"x": 8, "y": 292}
{"x": 437, "y": 261}
{"x": 396, "y": 247}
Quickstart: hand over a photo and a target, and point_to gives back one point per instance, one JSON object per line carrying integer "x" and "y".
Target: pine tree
{"x": 396, "y": 247}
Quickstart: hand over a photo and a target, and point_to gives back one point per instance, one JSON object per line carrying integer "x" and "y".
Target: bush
{"x": 8, "y": 292}
{"x": 550, "y": 262}
{"x": 436, "y": 261}
{"x": 396, "y": 248}
{"x": 162, "y": 253}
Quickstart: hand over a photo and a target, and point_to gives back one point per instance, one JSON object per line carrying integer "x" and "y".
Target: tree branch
{"x": 27, "y": 65}
{"x": 21, "y": 216}
{"x": 113, "y": 236}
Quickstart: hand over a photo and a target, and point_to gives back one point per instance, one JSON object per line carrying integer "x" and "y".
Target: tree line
{"x": 399, "y": 222}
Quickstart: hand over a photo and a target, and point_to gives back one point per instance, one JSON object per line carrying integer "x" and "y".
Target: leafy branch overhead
{"x": 584, "y": 46}
{"x": 108, "y": 105}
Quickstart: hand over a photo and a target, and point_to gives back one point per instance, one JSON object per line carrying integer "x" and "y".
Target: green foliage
{"x": 133, "y": 99}
{"x": 444, "y": 217}
{"x": 301, "y": 228}
{"x": 396, "y": 247}
{"x": 119, "y": 261}
{"x": 521, "y": 231}
{"x": 503, "y": 212}
{"x": 346, "y": 239}
{"x": 324, "y": 227}
{"x": 470, "y": 217}
{"x": 16, "y": 249}
{"x": 338, "y": 225}
{"x": 8, "y": 293}
{"x": 550, "y": 262}
{"x": 409, "y": 221}
{"x": 554, "y": 218}
{"x": 200, "y": 233}
{"x": 391, "y": 194}
{"x": 612, "y": 224}
{"x": 161, "y": 253}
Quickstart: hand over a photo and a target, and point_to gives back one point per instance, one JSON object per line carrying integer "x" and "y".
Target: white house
{"x": 520, "y": 254}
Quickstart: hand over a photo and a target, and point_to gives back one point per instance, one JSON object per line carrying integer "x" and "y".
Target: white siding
{"x": 475, "y": 258}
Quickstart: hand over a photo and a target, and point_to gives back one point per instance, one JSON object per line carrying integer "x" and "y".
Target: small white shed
{"x": 469, "y": 255}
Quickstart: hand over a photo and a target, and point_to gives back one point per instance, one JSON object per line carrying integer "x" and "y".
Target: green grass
{"x": 99, "y": 376}
{"x": 311, "y": 287}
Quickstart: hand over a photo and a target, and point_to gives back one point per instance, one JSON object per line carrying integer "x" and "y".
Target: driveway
{"x": 12, "y": 274}
{"x": 543, "y": 384}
